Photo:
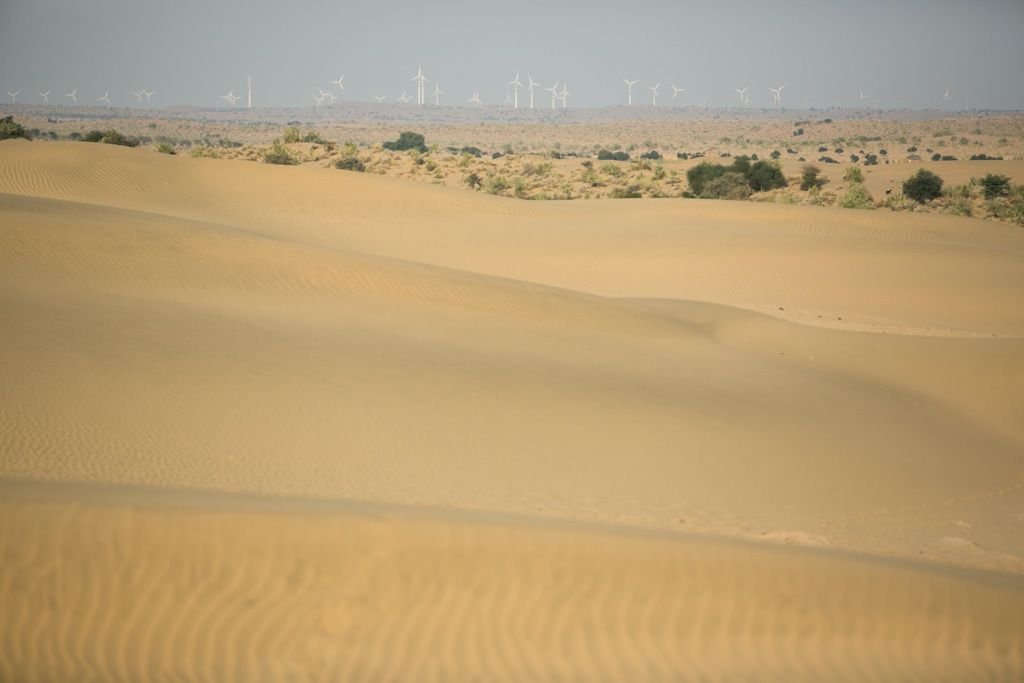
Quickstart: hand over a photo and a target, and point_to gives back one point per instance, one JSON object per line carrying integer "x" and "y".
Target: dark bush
{"x": 993, "y": 186}
{"x": 776, "y": 154}
{"x": 279, "y": 154}
{"x": 822, "y": 149}
{"x": 110, "y": 137}
{"x": 827, "y": 160}
{"x": 936, "y": 157}
{"x": 407, "y": 140}
{"x": 472, "y": 151}
{"x": 350, "y": 164}
{"x": 607, "y": 155}
{"x": 631, "y": 192}
{"x": 854, "y": 158}
{"x": 9, "y": 128}
{"x": 984, "y": 157}
{"x": 729, "y": 185}
{"x": 810, "y": 177}
{"x": 798, "y": 132}
{"x": 764, "y": 175}
{"x": 703, "y": 173}
{"x": 912, "y": 149}
{"x": 870, "y": 160}
{"x": 923, "y": 186}
{"x": 653, "y": 154}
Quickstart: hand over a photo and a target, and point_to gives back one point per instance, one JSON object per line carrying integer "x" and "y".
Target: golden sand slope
{"x": 117, "y": 586}
{"x": 829, "y": 378}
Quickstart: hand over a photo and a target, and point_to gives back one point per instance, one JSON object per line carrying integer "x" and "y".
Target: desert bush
{"x": 472, "y": 151}
{"x": 827, "y": 160}
{"x": 314, "y": 137}
{"x": 870, "y": 160}
{"x": 539, "y": 170}
{"x": 703, "y": 173}
{"x": 729, "y": 185}
{"x": 776, "y": 154}
{"x": 279, "y": 154}
{"x": 993, "y": 186}
{"x": 810, "y": 176}
{"x": 984, "y": 157}
{"x": 204, "y": 152}
{"x": 350, "y": 163}
{"x": 853, "y": 174}
{"x": 495, "y": 184}
{"x": 659, "y": 173}
{"x": 857, "y": 197}
{"x": 923, "y": 186}
{"x": 407, "y": 140}
{"x": 292, "y": 134}
{"x": 164, "y": 148}
{"x": 764, "y": 175}
{"x": 9, "y": 129}
{"x": 653, "y": 155}
{"x": 606, "y": 155}
{"x": 960, "y": 206}
{"x": 519, "y": 186}
{"x": 631, "y": 192}
{"x": 611, "y": 170}
{"x": 473, "y": 180}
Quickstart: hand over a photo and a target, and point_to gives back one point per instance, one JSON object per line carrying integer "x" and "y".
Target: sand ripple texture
{"x": 223, "y": 591}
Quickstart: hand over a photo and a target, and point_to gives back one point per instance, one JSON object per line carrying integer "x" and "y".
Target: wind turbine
{"x": 777, "y": 94}
{"x": 564, "y": 95}
{"x": 437, "y": 95}
{"x": 148, "y": 94}
{"x": 14, "y": 96}
{"x": 475, "y": 99}
{"x": 45, "y": 96}
{"x": 742, "y": 94}
{"x": 404, "y": 99}
{"x": 421, "y": 82}
{"x": 629, "y": 90}
{"x": 533, "y": 84}
{"x": 862, "y": 97}
{"x": 319, "y": 99}
{"x": 339, "y": 82}
{"x": 73, "y": 95}
{"x": 138, "y": 95}
{"x": 231, "y": 97}
{"x": 508, "y": 95}
{"x": 248, "y": 80}
{"x": 554, "y": 94}
{"x": 654, "y": 93}
{"x": 379, "y": 98}
{"x": 105, "y": 98}
{"x": 516, "y": 85}
{"x": 946, "y": 96}
{"x": 676, "y": 91}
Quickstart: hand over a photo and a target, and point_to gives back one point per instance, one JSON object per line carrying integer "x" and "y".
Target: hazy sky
{"x": 190, "y": 51}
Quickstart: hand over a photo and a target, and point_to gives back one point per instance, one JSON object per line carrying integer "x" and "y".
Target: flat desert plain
{"x": 288, "y": 423}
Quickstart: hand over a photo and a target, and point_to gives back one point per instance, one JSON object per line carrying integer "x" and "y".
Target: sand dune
{"x": 848, "y": 380}
{"x": 125, "y": 586}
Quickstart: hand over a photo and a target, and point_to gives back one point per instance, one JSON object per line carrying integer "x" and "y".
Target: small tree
{"x": 407, "y": 140}
{"x": 995, "y": 186}
{"x": 703, "y": 173}
{"x": 764, "y": 175}
{"x": 810, "y": 177}
{"x": 857, "y": 197}
{"x": 292, "y": 135}
{"x": 923, "y": 186}
{"x": 730, "y": 185}
{"x": 11, "y": 129}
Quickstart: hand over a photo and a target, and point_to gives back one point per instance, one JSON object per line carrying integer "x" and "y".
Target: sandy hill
{"x": 830, "y": 378}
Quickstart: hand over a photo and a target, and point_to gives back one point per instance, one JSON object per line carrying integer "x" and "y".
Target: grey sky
{"x": 897, "y": 51}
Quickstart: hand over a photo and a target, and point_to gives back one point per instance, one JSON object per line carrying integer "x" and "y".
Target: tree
{"x": 730, "y": 185}
{"x": 995, "y": 186}
{"x": 11, "y": 129}
{"x": 407, "y": 140}
{"x": 764, "y": 175}
{"x": 923, "y": 186}
{"x": 810, "y": 177}
{"x": 703, "y": 173}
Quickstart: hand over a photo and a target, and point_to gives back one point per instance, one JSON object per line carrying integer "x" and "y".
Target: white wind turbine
{"x": 516, "y": 85}
{"x": 148, "y": 94}
{"x": 138, "y": 95}
{"x": 475, "y": 99}
{"x": 14, "y": 96}
{"x": 564, "y": 95}
{"x": 862, "y": 97}
{"x": 379, "y": 98}
{"x": 319, "y": 99}
{"x": 105, "y": 98}
{"x": 532, "y": 84}
{"x": 777, "y": 94}
{"x": 743, "y": 95}
{"x": 629, "y": 90}
{"x": 326, "y": 96}
{"x": 404, "y": 99}
{"x": 339, "y": 83}
{"x": 554, "y": 94}
{"x": 437, "y": 95}
{"x": 676, "y": 91}
{"x": 230, "y": 97}
{"x": 73, "y": 95}
{"x": 654, "y": 93}
{"x": 946, "y": 96}
{"x": 421, "y": 82}
{"x": 45, "y": 96}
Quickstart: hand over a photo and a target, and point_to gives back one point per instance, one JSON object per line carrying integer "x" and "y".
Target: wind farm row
{"x": 557, "y": 95}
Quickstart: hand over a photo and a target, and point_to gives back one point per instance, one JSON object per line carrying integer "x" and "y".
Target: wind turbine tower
{"x": 654, "y": 93}
{"x": 14, "y": 96}
{"x": 564, "y": 95}
{"x": 45, "y": 96}
{"x": 743, "y": 94}
{"x": 629, "y": 90}
{"x": 249, "y": 81}
{"x": 516, "y": 85}
{"x": 421, "y": 86}
{"x": 554, "y": 94}
{"x": 437, "y": 95}
{"x": 777, "y": 94}
{"x": 676, "y": 91}
{"x": 533, "y": 84}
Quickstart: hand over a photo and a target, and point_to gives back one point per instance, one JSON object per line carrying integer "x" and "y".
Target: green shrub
{"x": 764, "y": 176}
{"x": 923, "y": 186}
{"x": 495, "y": 184}
{"x": 810, "y": 177}
{"x": 279, "y": 154}
{"x": 857, "y": 197}
{"x": 350, "y": 164}
{"x": 606, "y": 155}
{"x": 653, "y": 155}
{"x": 993, "y": 186}
{"x": 729, "y": 185}
{"x": 9, "y": 129}
{"x": 407, "y": 140}
{"x": 631, "y": 192}
{"x": 703, "y": 173}
{"x": 164, "y": 148}
{"x": 292, "y": 134}
{"x": 474, "y": 180}
{"x": 853, "y": 174}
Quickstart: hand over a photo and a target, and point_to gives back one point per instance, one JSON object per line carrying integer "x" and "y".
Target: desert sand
{"x": 265, "y": 423}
